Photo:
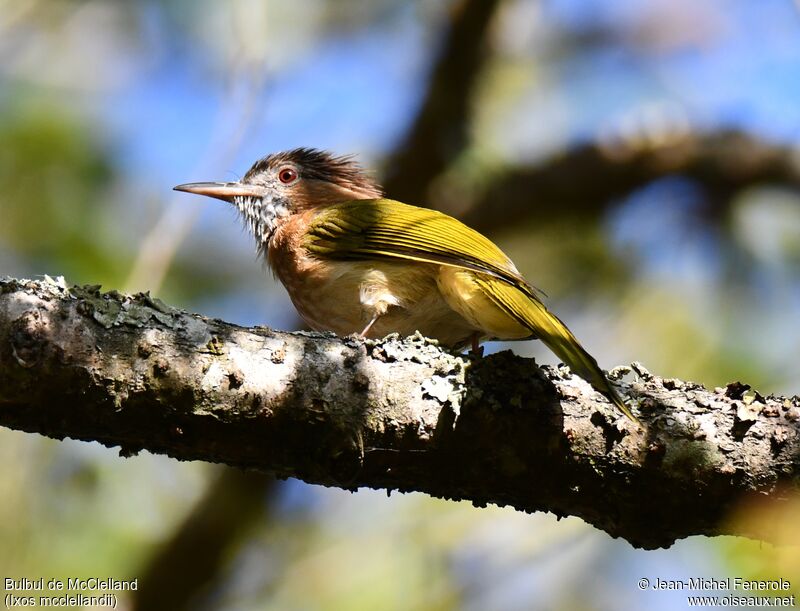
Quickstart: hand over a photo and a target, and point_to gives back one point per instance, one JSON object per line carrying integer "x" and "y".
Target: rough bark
{"x": 132, "y": 372}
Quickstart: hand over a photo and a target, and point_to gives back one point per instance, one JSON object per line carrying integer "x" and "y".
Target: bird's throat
{"x": 262, "y": 216}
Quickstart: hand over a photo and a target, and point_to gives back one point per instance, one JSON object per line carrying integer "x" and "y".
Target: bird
{"x": 356, "y": 262}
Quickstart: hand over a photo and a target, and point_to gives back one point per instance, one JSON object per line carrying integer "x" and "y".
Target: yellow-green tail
{"x": 566, "y": 346}
{"x": 521, "y": 303}
{"x": 584, "y": 364}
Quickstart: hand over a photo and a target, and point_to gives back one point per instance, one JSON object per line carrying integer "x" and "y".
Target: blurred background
{"x": 638, "y": 159}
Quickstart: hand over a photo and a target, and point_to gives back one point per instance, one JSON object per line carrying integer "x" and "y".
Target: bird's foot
{"x": 363, "y": 334}
{"x": 476, "y": 350}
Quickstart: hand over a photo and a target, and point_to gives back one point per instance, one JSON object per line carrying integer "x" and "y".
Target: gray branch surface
{"x": 132, "y": 372}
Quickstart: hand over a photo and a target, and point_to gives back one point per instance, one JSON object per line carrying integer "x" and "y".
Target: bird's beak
{"x": 225, "y": 191}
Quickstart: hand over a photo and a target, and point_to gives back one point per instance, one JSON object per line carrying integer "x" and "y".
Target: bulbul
{"x": 355, "y": 262}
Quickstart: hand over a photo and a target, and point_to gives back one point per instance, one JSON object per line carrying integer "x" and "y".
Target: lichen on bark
{"x": 399, "y": 414}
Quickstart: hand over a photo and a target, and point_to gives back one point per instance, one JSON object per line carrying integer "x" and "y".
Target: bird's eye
{"x": 287, "y": 176}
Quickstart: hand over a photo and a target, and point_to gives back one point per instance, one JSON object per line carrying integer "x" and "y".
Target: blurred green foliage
{"x": 57, "y": 177}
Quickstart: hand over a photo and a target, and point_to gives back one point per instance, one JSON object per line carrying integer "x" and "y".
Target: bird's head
{"x": 282, "y": 184}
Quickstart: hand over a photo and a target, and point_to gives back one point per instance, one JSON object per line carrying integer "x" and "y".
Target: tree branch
{"x": 394, "y": 414}
{"x": 187, "y": 565}
{"x": 440, "y": 130}
{"x": 587, "y": 179}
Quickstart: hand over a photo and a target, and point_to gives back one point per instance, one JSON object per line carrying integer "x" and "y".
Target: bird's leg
{"x": 369, "y": 326}
{"x": 477, "y": 349}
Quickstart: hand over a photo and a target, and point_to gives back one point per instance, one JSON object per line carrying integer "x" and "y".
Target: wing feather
{"x": 386, "y": 228}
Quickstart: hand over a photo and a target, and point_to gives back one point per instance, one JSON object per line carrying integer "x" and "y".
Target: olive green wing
{"x": 385, "y": 228}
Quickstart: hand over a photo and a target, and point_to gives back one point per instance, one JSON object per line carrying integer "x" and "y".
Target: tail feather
{"x": 566, "y": 346}
{"x": 526, "y": 309}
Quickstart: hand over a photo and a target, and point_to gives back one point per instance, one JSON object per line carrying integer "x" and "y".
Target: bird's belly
{"x": 344, "y": 296}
